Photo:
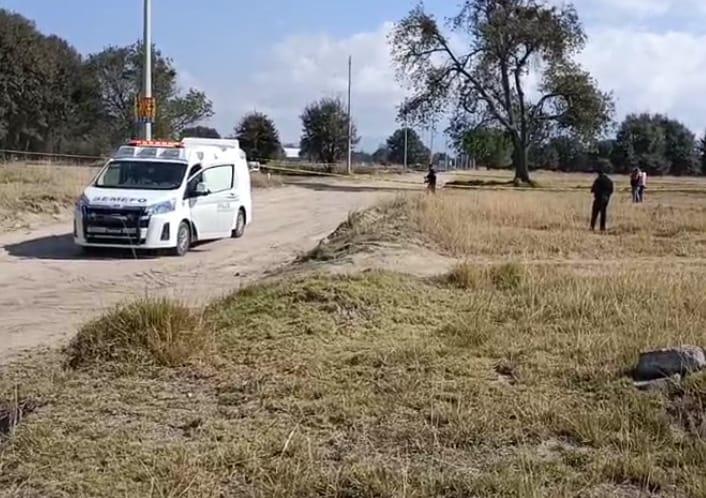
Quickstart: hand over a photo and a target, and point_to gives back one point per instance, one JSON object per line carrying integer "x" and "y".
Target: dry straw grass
{"x": 386, "y": 385}
{"x": 28, "y": 191}
{"x": 544, "y": 225}
{"x": 531, "y": 225}
{"x": 500, "y": 379}
{"x": 264, "y": 180}
{"x": 38, "y": 193}
{"x": 147, "y": 332}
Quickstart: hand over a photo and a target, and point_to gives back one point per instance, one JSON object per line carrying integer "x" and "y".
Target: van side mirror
{"x": 200, "y": 190}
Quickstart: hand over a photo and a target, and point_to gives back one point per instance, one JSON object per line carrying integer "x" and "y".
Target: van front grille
{"x": 114, "y": 226}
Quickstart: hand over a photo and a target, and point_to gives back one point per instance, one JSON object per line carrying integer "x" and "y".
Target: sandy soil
{"x": 47, "y": 288}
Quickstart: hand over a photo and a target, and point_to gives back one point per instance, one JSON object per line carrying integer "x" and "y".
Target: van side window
{"x": 194, "y": 169}
{"x": 218, "y": 179}
{"x": 191, "y": 187}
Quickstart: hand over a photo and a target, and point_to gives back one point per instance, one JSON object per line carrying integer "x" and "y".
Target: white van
{"x": 166, "y": 195}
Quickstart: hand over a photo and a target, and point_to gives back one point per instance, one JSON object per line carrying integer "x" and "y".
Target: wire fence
{"x": 54, "y": 159}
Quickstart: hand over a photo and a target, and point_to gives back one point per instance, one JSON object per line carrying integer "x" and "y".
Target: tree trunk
{"x": 520, "y": 163}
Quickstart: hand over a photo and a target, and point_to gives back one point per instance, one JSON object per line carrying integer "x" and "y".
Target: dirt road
{"x": 47, "y": 288}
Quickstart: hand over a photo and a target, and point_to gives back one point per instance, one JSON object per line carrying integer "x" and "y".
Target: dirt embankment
{"x": 47, "y": 289}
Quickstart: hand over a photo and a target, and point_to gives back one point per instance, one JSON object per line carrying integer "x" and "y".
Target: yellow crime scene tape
{"x": 378, "y": 179}
{"x": 421, "y": 186}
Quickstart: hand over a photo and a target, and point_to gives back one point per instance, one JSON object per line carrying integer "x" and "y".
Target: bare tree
{"x": 479, "y": 69}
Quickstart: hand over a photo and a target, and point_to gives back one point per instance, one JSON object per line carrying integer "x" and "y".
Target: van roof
{"x": 191, "y": 150}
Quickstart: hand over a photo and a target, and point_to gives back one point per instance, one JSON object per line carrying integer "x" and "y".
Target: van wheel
{"x": 183, "y": 240}
{"x": 239, "y": 225}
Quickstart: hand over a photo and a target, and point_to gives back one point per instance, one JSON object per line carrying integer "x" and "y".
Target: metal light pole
{"x": 147, "y": 69}
{"x": 405, "y": 143}
{"x": 431, "y": 143}
{"x": 350, "y": 118}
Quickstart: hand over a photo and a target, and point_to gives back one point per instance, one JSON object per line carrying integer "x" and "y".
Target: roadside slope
{"x": 507, "y": 378}
{"x": 47, "y": 288}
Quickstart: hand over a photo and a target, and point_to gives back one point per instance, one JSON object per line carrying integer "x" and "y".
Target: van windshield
{"x": 146, "y": 175}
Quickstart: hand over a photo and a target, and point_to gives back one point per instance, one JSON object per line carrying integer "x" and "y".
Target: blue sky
{"x": 277, "y": 55}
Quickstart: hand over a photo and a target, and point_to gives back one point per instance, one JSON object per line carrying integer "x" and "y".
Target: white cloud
{"x": 304, "y": 68}
{"x": 648, "y": 71}
{"x": 647, "y": 67}
{"x": 187, "y": 80}
{"x": 637, "y": 11}
{"x": 636, "y": 8}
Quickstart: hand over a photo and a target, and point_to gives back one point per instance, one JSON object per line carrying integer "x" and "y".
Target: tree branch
{"x": 477, "y": 86}
{"x": 523, "y": 61}
{"x": 423, "y": 53}
{"x": 552, "y": 117}
{"x": 507, "y": 93}
{"x": 539, "y": 106}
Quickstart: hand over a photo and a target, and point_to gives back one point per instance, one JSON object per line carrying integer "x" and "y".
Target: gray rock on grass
{"x": 665, "y": 363}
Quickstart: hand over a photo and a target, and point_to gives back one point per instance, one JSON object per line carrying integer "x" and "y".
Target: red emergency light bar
{"x": 155, "y": 143}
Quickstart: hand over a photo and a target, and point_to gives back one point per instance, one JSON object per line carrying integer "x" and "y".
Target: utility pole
{"x": 350, "y": 118}
{"x": 446, "y": 158}
{"x": 406, "y": 128}
{"x": 147, "y": 69}
{"x": 431, "y": 143}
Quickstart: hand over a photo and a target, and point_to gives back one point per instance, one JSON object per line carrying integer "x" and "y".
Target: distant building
{"x": 291, "y": 153}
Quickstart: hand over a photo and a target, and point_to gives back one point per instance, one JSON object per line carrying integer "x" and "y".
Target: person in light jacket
{"x": 641, "y": 186}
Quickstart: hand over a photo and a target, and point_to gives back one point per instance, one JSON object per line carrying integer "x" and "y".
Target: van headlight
{"x": 161, "y": 208}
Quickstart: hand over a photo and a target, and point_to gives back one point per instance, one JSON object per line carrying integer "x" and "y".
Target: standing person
{"x": 430, "y": 179}
{"x": 641, "y": 186}
{"x": 634, "y": 184}
{"x": 602, "y": 190}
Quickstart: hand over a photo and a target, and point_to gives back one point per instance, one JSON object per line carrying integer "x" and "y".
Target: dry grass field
{"x": 555, "y": 179}
{"x": 506, "y": 376}
{"x": 31, "y": 193}
{"x": 39, "y": 192}
{"x": 549, "y": 225}
{"x": 501, "y": 225}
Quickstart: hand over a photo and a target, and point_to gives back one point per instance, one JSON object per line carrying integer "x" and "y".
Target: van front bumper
{"x": 98, "y": 227}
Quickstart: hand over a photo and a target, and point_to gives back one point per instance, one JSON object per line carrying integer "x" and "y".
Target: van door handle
{"x": 232, "y": 196}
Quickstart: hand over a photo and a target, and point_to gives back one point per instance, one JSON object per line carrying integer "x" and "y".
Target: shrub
{"x": 149, "y": 331}
{"x": 507, "y": 276}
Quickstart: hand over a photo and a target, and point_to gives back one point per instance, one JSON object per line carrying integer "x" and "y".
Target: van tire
{"x": 183, "y": 243}
{"x": 240, "y": 222}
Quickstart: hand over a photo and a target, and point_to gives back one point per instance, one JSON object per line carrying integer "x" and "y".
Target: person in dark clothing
{"x": 602, "y": 190}
{"x": 635, "y": 184}
{"x": 430, "y": 179}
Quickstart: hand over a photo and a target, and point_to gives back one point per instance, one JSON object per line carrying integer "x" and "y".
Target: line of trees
{"x": 324, "y": 133}
{"x": 507, "y": 73}
{"x": 55, "y": 100}
{"x": 393, "y": 152}
{"x": 652, "y": 142}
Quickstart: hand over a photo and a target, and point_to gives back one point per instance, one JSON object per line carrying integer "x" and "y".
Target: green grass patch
{"x": 149, "y": 331}
{"x": 373, "y": 385}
